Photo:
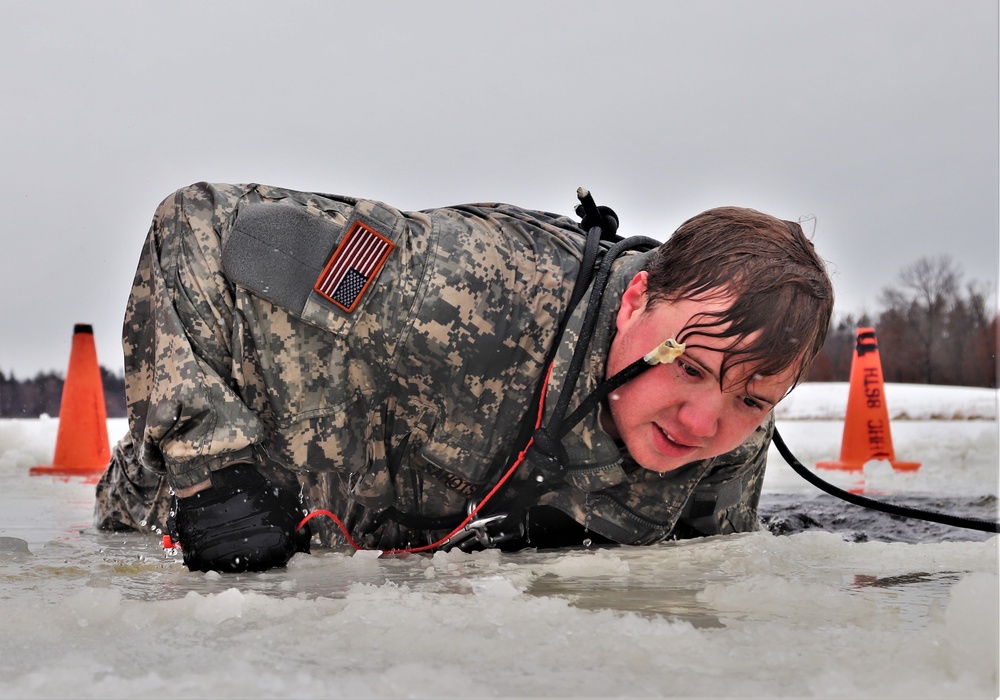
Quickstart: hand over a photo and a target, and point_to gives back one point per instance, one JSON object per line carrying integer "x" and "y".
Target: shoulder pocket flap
{"x": 339, "y": 294}
{"x": 277, "y": 252}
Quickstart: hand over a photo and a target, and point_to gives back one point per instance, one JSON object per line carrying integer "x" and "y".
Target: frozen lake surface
{"x": 847, "y": 604}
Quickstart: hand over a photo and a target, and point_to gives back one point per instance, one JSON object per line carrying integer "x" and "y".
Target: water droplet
{"x": 587, "y": 542}
{"x": 539, "y": 478}
{"x": 142, "y": 523}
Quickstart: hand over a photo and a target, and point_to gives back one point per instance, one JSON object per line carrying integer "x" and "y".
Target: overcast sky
{"x": 878, "y": 119}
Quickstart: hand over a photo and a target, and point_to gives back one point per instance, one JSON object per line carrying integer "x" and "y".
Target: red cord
{"x": 410, "y": 550}
{"x": 334, "y": 518}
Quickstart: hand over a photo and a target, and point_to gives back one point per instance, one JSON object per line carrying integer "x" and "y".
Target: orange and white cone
{"x": 82, "y": 439}
{"x": 867, "y": 435}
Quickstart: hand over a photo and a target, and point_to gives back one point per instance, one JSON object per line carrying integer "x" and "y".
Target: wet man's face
{"x": 674, "y": 414}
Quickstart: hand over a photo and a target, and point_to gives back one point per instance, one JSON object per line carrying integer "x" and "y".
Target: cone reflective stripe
{"x": 867, "y": 435}
{"x": 82, "y": 438}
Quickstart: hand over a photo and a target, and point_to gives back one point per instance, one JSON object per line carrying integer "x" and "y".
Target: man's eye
{"x": 689, "y": 369}
{"x": 751, "y": 403}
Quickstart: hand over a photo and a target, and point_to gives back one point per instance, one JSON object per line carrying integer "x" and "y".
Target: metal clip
{"x": 477, "y": 528}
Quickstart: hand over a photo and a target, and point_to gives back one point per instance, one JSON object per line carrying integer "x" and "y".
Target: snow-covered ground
{"x": 87, "y": 614}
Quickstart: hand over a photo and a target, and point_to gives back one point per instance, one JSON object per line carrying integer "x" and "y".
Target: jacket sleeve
{"x": 725, "y": 500}
{"x": 185, "y": 414}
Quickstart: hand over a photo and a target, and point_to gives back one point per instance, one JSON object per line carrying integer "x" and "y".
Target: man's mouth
{"x": 668, "y": 444}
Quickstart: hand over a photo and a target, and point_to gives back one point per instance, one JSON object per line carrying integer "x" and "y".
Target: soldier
{"x": 289, "y": 352}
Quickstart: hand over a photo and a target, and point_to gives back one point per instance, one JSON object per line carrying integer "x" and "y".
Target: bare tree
{"x": 927, "y": 293}
{"x": 931, "y": 329}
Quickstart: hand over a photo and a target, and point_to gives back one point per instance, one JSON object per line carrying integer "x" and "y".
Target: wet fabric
{"x": 396, "y": 413}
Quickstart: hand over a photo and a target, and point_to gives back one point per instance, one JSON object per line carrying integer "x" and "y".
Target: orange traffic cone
{"x": 82, "y": 439}
{"x": 866, "y": 427}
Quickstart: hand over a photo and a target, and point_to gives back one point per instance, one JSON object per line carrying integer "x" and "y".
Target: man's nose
{"x": 700, "y": 414}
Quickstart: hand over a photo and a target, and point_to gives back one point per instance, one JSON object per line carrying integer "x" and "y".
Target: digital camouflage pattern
{"x": 394, "y": 416}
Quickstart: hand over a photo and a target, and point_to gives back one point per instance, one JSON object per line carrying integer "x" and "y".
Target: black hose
{"x": 890, "y": 508}
{"x": 600, "y": 282}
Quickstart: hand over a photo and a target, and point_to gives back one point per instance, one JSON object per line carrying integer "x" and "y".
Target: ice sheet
{"x": 89, "y": 614}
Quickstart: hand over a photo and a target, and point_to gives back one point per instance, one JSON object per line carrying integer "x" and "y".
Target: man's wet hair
{"x": 780, "y": 286}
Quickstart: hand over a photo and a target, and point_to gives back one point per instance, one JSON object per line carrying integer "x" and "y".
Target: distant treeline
{"x": 931, "y": 331}
{"x": 30, "y": 398}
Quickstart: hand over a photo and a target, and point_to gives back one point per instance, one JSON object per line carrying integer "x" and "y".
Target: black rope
{"x": 591, "y": 252}
{"x": 589, "y": 322}
{"x": 595, "y": 397}
{"x": 890, "y": 508}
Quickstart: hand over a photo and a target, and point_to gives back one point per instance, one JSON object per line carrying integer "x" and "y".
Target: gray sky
{"x": 879, "y": 119}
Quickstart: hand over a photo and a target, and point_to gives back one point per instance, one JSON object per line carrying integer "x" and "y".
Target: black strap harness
{"x": 547, "y": 457}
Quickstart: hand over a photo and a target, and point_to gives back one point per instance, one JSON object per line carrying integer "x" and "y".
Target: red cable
{"x": 334, "y": 518}
{"x": 468, "y": 519}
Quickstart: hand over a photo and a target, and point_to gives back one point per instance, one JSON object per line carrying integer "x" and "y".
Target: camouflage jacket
{"x": 388, "y": 360}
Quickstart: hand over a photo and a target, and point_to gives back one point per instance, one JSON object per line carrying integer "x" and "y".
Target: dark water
{"x": 790, "y": 513}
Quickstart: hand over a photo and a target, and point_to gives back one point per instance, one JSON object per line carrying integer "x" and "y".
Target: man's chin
{"x": 661, "y": 467}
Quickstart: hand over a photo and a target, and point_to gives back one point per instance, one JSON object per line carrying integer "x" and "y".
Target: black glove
{"x": 244, "y": 522}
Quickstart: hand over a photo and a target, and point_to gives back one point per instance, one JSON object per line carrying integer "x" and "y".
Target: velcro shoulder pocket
{"x": 307, "y": 262}
{"x": 277, "y": 251}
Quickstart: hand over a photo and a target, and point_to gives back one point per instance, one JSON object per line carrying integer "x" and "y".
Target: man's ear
{"x": 633, "y": 300}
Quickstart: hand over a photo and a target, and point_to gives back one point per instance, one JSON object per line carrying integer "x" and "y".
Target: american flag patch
{"x": 353, "y": 266}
